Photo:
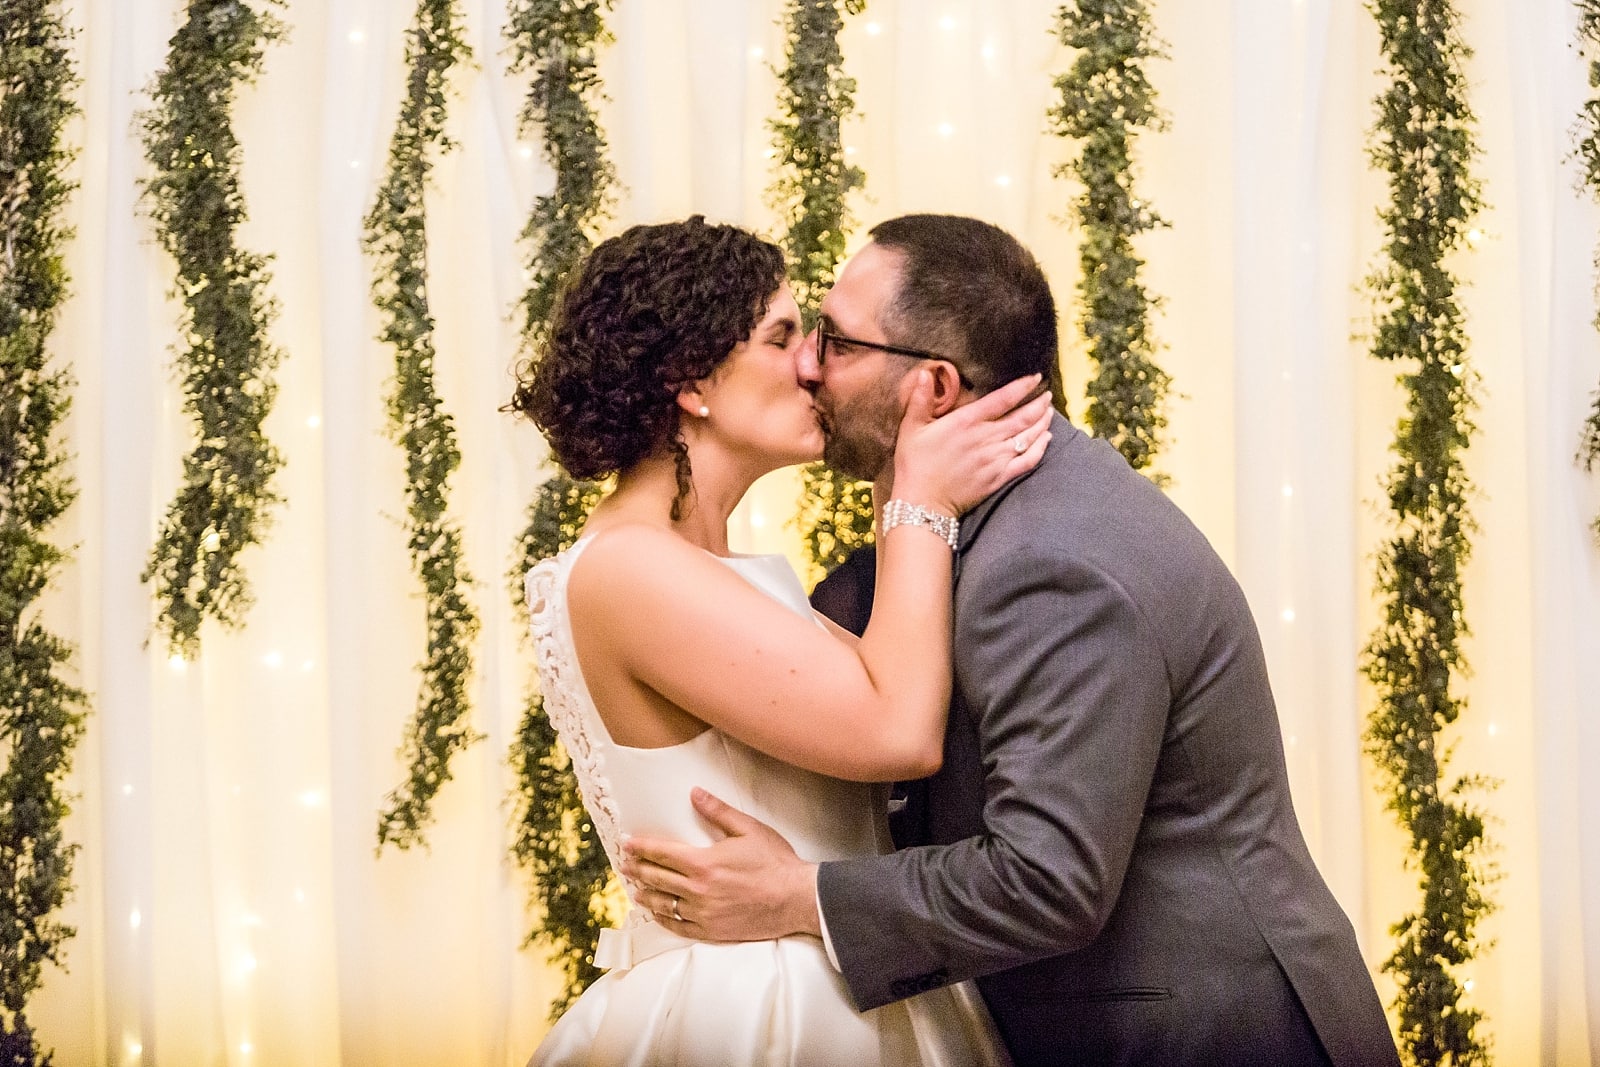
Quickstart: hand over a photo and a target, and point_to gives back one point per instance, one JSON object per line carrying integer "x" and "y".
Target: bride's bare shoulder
{"x": 627, "y": 539}
{"x": 635, "y": 554}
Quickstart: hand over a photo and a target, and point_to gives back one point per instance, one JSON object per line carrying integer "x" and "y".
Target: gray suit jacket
{"x": 1110, "y": 846}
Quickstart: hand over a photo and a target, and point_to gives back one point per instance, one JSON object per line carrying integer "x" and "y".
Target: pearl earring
{"x": 705, "y": 412}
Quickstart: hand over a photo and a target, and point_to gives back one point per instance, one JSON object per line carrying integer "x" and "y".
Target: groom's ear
{"x": 946, "y": 386}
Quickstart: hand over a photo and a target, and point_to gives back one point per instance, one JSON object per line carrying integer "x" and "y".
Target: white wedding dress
{"x": 666, "y": 1000}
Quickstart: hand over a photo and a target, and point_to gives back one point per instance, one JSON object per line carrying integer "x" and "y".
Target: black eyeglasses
{"x": 825, "y": 338}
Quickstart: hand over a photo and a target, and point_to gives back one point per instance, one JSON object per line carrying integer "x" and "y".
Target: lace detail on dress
{"x": 564, "y": 696}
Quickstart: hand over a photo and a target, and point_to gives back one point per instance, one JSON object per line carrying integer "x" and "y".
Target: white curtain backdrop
{"x": 231, "y": 907}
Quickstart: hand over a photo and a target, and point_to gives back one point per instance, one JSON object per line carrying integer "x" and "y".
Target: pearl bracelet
{"x": 904, "y": 513}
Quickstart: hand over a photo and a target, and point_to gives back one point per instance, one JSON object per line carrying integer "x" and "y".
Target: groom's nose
{"x": 807, "y": 367}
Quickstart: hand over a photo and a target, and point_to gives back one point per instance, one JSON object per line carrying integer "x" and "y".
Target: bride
{"x": 668, "y": 662}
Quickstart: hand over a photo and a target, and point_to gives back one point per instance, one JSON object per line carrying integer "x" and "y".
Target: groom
{"x": 1109, "y": 847}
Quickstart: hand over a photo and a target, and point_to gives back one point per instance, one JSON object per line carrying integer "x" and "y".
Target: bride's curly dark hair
{"x": 649, "y": 311}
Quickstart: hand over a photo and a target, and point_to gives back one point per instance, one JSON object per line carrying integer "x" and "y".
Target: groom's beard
{"x": 860, "y": 436}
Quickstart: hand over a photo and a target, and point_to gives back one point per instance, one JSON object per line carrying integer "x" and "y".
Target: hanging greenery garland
{"x": 1589, "y": 156}
{"x": 557, "y": 39}
{"x": 1424, "y": 142}
{"x": 225, "y": 360}
{"x": 397, "y": 238}
{"x": 41, "y": 716}
{"x": 1106, "y": 100}
{"x": 555, "y": 841}
{"x": 813, "y": 183}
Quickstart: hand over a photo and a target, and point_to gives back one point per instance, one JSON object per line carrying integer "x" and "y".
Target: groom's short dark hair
{"x": 970, "y": 292}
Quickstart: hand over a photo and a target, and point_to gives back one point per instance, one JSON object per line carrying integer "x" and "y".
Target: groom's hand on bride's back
{"x": 749, "y": 886}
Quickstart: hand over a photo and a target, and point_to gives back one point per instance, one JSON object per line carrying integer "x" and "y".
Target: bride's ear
{"x": 692, "y": 402}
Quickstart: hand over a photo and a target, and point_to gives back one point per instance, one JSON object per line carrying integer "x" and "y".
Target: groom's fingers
{"x": 997, "y": 403}
{"x": 652, "y": 862}
{"x": 919, "y": 407}
{"x": 658, "y": 903}
{"x": 724, "y": 816}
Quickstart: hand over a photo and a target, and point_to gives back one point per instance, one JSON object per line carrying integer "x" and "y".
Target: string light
{"x": 947, "y": 23}
{"x": 1003, "y": 180}
{"x": 873, "y": 29}
{"x": 306, "y": 665}
{"x": 273, "y": 659}
{"x": 357, "y": 37}
{"x": 311, "y": 798}
{"x": 1288, "y": 491}
{"x": 757, "y": 52}
{"x": 313, "y": 421}
{"x": 127, "y": 790}
{"x": 1288, "y": 615}
{"x": 135, "y": 1050}
{"x": 946, "y": 130}
{"x": 135, "y": 920}
{"x": 247, "y": 964}
{"x": 1475, "y": 235}
{"x": 525, "y": 151}
{"x": 177, "y": 663}
{"x": 1494, "y": 729}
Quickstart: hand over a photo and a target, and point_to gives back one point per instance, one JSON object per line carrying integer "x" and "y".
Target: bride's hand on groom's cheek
{"x": 749, "y": 886}
{"x": 957, "y": 459}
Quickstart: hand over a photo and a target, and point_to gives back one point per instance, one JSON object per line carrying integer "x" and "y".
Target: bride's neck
{"x": 646, "y": 494}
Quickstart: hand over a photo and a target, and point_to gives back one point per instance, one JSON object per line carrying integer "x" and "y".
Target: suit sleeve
{"x": 1071, "y": 696}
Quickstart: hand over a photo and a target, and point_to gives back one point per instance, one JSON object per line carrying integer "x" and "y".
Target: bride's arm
{"x": 708, "y": 642}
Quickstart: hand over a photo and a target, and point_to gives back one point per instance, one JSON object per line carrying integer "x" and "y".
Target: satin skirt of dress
{"x": 761, "y": 1004}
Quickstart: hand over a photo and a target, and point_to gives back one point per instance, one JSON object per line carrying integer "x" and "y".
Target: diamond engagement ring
{"x": 675, "y": 913}
{"x": 1019, "y": 444}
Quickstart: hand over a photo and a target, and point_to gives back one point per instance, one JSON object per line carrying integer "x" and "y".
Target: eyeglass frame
{"x": 827, "y": 337}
